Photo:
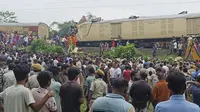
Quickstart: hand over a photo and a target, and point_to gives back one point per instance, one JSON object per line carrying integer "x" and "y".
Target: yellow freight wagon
{"x": 142, "y": 29}
{"x": 37, "y": 29}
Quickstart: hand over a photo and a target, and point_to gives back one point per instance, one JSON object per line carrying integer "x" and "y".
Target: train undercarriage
{"x": 146, "y": 43}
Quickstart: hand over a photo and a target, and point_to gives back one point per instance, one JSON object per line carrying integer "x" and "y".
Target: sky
{"x": 48, "y": 11}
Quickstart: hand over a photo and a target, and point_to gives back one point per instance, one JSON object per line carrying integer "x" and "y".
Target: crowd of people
{"x": 61, "y": 83}
{"x": 16, "y": 39}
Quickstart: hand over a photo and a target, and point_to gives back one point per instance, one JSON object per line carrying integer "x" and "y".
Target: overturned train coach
{"x": 143, "y": 31}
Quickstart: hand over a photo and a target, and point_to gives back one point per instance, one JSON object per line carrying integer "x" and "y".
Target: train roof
{"x": 153, "y": 18}
{"x": 21, "y": 24}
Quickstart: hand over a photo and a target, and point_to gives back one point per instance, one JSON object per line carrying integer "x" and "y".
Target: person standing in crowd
{"x": 55, "y": 85}
{"x": 160, "y": 91}
{"x": 165, "y": 67}
{"x": 180, "y": 48}
{"x": 195, "y": 74}
{"x": 107, "y": 76}
{"x": 139, "y": 66}
{"x": 115, "y": 101}
{"x": 44, "y": 80}
{"x": 71, "y": 93}
{"x": 62, "y": 78}
{"x": 175, "y": 46}
{"x": 177, "y": 102}
{"x": 126, "y": 73}
{"x": 55, "y": 62}
{"x": 115, "y": 72}
{"x": 79, "y": 64}
{"x": 32, "y": 81}
{"x": 140, "y": 97}
{"x": 18, "y": 98}
{"x": 88, "y": 82}
{"x": 98, "y": 87}
{"x": 187, "y": 76}
{"x": 151, "y": 69}
{"x": 194, "y": 90}
{"x": 9, "y": 77}
{"x": 123, "y": 65}
{"x": 154, "y": 50}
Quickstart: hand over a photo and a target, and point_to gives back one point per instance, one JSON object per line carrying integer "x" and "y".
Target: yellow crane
{"x": 192, "y": 50}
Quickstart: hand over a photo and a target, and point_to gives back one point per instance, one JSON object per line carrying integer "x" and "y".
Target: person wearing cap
{"x": 32, "y": 81}
{"x": 195, "y": 74}
{"x": 98, "y": 87}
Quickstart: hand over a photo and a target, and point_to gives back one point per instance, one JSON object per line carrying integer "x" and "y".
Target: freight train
{"x": 143, "y": 31}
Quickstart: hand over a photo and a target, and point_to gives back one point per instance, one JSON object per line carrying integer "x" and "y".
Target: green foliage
{"x": 7, "y": 17}
{"x": 40, "y": 45}
{"x": 64, "y": 27}
{"x": 128, "y": 51}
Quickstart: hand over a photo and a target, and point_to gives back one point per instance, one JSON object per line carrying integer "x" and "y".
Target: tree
{"x": 65, "y": 27}
{"x": 7, "y": 17}
{"x": 90, "y": 16}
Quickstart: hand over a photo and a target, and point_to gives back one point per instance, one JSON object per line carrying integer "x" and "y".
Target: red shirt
{"x": 127, "y": 74}
{"x": 113, "y": 43}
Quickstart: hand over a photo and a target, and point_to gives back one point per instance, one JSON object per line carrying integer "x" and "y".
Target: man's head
{"x": 103, "y": 66}
{"x": 11, "y": 66}
{"x": 54, "y": 70}
{"x": 135, "y": 76}
{"x": 115, "y": 64}
{"x": 91, "y": 70}
{"x": 128, "y": 67}
{"x": 21, "y": 72}
{"x": 143, "y": 75}
{"x": 151, "y": 65}
{"x": 44, "y": 79}
{"x": 124, "y": 62}
{"x": 37, "y": 67}
{"x": 198, "y": 67}
{"x": 100, "y": 73}
{"x": 73, "y": 73}
{"x": 120, "y": 86}
{"x": 160, "y": 72}
{"x": 176, "y": 82}
{"x": 64, "y": 68}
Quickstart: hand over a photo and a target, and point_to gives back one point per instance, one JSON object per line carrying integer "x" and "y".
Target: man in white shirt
{"x": 18, "y": 98}
{"x": 151, "y": 69}
{"x": 115, "y": 72}
{"x": 165, "y": 67}
{"x": 175, "y": 47}
{"x": 55, "y": 62}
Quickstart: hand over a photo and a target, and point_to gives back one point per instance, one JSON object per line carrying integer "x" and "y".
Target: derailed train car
{"x": 143, "y": 31}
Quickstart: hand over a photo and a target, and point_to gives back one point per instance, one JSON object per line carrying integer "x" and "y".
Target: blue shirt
{"x": 195, "y": 74}
{"x": 177, "y": 103}
{"x": 112, "y": 103}
{"x": 195, "y": 90}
